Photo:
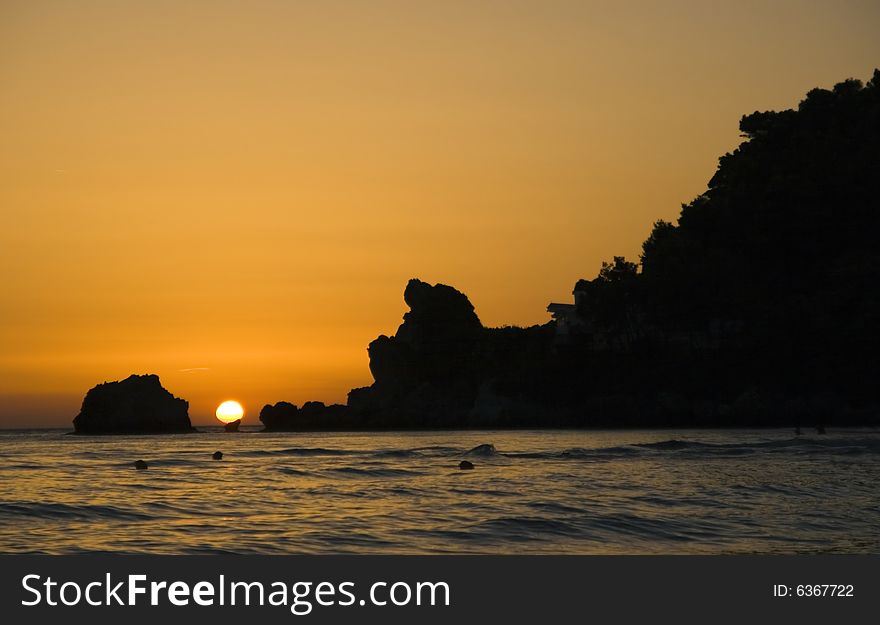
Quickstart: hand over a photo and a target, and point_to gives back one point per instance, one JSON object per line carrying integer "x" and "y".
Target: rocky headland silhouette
{"x": 759, "y": 307}
{"x": 136, "y": 405}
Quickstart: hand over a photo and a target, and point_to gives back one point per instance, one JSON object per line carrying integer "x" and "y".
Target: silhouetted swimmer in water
{"x": 217, "y": 455}
{"x": 797, "y": 430}
{"x": 464, "y": 465}
{"x": 820, "y": 429}
{"x": 140, "y": 465}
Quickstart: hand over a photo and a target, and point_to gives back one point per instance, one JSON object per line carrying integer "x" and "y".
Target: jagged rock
{"x": 140, "y": 465}
{"x": 232, "y": 426}
{"x": 464, "y": 465}
{"x": 137, "y": 405}
{"x": 217, "y": 455}
{"x": 441, "y": 329}
{"x": 425, "y": 374}
{"x": 281, "y": 416}
{"x": 435, "y": 342}
{"x": 439, "y": 315}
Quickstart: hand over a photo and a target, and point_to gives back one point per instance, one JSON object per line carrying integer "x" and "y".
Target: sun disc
{"x": 229, "y": 411}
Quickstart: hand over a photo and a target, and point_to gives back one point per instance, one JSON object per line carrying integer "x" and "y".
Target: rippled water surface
{"x": 636, "y": 492}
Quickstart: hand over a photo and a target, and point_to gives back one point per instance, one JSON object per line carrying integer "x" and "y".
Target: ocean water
{"x": 563, "y": 492}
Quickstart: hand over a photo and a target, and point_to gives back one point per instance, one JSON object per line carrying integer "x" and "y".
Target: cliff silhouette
{"x": 759, "y": 307}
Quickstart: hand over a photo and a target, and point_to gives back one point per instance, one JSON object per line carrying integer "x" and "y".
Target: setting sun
{"x": 229, "y": 411}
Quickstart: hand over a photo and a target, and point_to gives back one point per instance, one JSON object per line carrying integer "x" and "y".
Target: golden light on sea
{"x": 229, "y": 411}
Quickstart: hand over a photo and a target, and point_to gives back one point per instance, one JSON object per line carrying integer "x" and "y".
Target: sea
{"x": 536, "y": 492}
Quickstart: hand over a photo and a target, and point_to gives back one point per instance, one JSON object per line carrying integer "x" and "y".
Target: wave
{"x": 39, "y": 510}
{"x": 526, "y": 528}
{"x": 579, "y": 453}
{"x": 437, "y": 450}
{"x": 845, "y": 446}
{"x": 396, "y": 453}
{"x": 800, "y": 445}
{"x": 357, "y": 472}
{"x": 21, "y": 467}
{"x": 301, "y": 451}
{"x": 294, "y": 472}
{"x": 486, "y": 449}
{"x": 672, "y": 444}
{"x": 554, "y": 507}
{"x": 188, "y": 509}
{"x": 481, "y": 492}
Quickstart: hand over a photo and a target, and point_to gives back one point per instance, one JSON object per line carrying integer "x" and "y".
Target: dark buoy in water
{"x": 465, "y": 465}
{"x": 217, "y": 455}
{"x": 140, "y": 465}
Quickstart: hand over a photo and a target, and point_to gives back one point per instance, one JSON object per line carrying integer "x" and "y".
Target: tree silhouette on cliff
{"x": 784, "y": 237}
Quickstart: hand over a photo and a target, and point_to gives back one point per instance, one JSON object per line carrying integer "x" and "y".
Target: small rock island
{"x": 136, "y": 405}
{"x": 232, "y": 426}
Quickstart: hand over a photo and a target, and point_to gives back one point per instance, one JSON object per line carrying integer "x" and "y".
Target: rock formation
{"x": 441, "y": 369}
{"x": 486, "y": 449}
{"x": 759, "y": 307}
{"x": 232, "y": 426}
{"x": 425, "y": 373}
{"x": 314, "y": 415}
{"x": 137, "y": 405}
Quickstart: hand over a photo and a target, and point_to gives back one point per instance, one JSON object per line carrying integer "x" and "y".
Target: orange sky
{"x": 234, "y": 194}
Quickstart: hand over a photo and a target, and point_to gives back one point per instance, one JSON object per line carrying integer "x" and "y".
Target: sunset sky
{"x": 233, "y": 195}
